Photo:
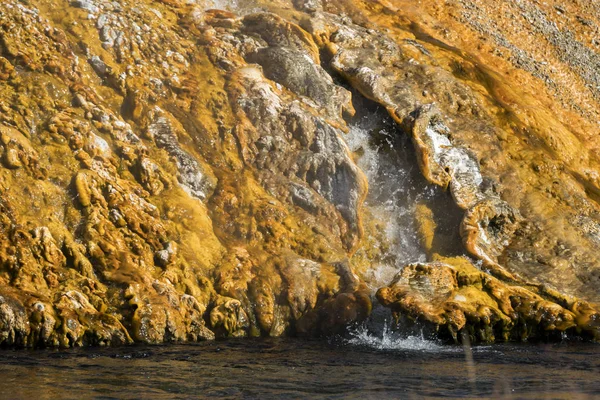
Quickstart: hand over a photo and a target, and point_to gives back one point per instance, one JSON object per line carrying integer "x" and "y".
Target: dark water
{"x": 295, "y": 368}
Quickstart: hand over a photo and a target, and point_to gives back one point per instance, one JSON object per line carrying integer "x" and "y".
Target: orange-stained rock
{"x": 158, "y": 185}
{"x": 480, "y": 136}
{"x": 456, "y": 298}
{"x": 173, "y": 173}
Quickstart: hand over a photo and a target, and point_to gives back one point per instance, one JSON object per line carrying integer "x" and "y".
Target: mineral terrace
{"x": 177, "y": 170}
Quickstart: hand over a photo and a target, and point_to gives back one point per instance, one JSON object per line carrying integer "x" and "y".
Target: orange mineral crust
{"x": 180, "y": 171}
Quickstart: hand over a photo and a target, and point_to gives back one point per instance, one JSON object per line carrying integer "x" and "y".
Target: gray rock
{"x": 191, "y": 176}
{"x": 87, "y": 5}
{"x": 99, "y": 66}
{"x": 297, "y": 71}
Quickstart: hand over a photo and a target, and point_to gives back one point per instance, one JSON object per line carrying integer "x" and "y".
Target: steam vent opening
{"x": 299, "y": 198}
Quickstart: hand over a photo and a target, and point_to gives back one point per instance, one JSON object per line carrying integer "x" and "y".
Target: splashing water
{"x": 390, "y": 340}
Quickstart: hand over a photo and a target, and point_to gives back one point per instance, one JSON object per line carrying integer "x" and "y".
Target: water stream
{"x": 396, "y": 186}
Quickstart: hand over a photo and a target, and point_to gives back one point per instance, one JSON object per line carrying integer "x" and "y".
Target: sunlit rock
{"x": 180, "y": 170}
{"x": 455, "y": 297}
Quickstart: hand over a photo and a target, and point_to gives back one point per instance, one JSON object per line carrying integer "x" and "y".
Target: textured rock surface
{"x": 171, "y": 173}
{"x": 454, "y": 296}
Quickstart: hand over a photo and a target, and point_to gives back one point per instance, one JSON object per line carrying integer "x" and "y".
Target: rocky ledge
{"x": 175, "y": 172}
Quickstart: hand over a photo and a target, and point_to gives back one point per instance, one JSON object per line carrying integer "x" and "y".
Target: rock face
{"x": 171, "y": 172}
{"x": 455, "y": 296}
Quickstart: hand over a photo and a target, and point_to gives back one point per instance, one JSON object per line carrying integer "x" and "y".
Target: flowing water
{"x": 396, "y": 186}
{"x": 300, "y": 369}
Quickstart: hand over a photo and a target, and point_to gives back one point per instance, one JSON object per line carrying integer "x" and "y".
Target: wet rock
{"x": 323, "y": 165}
{"x": 487, "y": 230}
{"x": 163, "y": 315}
{"x": 265, "y": 307}
{"x": 18, "y": 152}
{"x": 444, "y": 164}
{"x": 99, "y": 66}
{"x": 229, "y": 318}
{"x": 279, "y": 33}
{"x": 99, "y": 245}
{"x": 298, "y": 72}
{"x": 151, "y": 176}
{"x": 426, "y": 226}
{"x": 87, "y": 5}
{"x": 44, "y": 324}
{"x": 14, "y": 327}
{"x": 82, "y": 324}
{"x": 454, "y": 296}
{"x": 164, "y": 257}
{"x": 466, "y": 145}
{"x": 193, "y": 317}
{"x": 192, "y": 176}
{"x": 302, "y": 277}
{"x": 308, "y": 5}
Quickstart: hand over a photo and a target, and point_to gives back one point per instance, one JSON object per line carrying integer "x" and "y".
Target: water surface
{"x": 295, "y": 368}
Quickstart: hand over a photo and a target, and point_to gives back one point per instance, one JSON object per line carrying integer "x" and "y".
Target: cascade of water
{"x": 396, "y": 186}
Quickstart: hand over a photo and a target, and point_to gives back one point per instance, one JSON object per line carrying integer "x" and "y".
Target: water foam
{"x": 390, "y": 340}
